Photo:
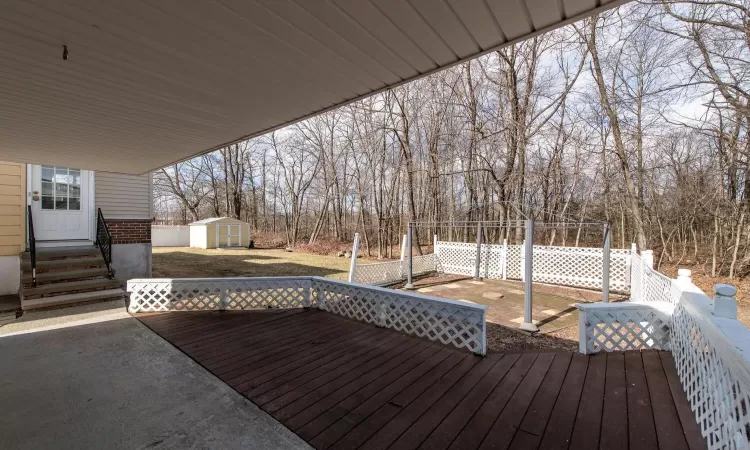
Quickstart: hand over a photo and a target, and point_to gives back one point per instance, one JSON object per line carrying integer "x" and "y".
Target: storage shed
{"x": 219, "y": 232}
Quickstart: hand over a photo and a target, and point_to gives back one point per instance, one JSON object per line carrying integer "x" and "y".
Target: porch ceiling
{"x": 151, "y": 82}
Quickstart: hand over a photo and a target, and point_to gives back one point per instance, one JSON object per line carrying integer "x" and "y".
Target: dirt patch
{"x": 554, "y": 310}
{"x": 187, "y": 262}
{"x": 502, "y": 339}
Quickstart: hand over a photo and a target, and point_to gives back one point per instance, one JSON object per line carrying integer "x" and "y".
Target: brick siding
{"x": 130, "y": 231}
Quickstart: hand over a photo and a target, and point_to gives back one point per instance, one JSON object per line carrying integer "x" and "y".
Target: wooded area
{"x": 638, "y": 117}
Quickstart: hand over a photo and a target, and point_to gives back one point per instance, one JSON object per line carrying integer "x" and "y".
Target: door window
{"x": 61, "y": 188}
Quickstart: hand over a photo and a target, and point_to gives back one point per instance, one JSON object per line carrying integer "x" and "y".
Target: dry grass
{"x": 187, "y": 262}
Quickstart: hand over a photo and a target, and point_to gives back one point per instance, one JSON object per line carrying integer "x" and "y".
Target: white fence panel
{"x": 170, "y": 235}
{"x": 568, "y": 266}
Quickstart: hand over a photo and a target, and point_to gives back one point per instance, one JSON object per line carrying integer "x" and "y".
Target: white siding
{"x": 198, "y": 236}
{"x": 123, "y": 196}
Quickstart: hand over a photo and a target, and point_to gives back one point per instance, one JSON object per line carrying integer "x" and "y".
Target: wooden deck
{"x": 346, "y": 385}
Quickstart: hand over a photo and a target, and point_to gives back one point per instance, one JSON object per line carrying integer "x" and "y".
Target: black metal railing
{"x": 32, "y": 244}
{"x": 104, "y": 241}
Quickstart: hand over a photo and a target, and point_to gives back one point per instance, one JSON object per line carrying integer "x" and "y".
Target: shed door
{"x": 229, "y": 235}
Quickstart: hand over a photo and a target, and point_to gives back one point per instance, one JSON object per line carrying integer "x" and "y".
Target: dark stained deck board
{"x": 615, "y": 414}
{"x": 529, "y": 434}
{"x": 341, "y": 384}
{"x": 587, "y": 428}
{"x": 641, "y": 429}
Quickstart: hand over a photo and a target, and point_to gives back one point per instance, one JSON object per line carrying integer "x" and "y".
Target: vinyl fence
{"x": 170, "y": 235}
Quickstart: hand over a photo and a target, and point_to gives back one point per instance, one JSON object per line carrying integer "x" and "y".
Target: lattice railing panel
{"x": 453, "y": 323}
{"x": 714, "y": 376}
{"x": 457, "y": 257}
{"x": 379, "y": 273}
{"x": 649, "y": 285}
{"x": 515, "y": 259}
{"x": 569, "y": 266}
{"x": 624, "y": 326}
{"x": 423, "y": 264}
{"x": 580, "y": 266}
{"x": 189, "y": 294}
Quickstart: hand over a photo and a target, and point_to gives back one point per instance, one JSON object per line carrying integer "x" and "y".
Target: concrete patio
{"x": 115, "y": 384}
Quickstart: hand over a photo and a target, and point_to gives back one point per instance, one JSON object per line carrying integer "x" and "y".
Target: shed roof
{"x": 217, "y": 219}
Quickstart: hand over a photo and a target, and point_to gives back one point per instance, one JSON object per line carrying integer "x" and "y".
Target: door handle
{"x": 35, "y": 196}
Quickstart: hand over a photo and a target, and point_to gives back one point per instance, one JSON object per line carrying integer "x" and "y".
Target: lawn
{"x": 187, "y": 262}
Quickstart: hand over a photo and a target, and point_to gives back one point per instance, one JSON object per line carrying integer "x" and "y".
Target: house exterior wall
{"x": 12, "y": 225}
{"x": 127, "y": 205}
{"x": 123, "y": 196}
{"x": 12, "y": 208}
{"x": 130, "y": 231}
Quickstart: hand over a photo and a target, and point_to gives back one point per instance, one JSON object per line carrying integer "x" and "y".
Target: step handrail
{"x": 32, "y": 244}
{"x": 104, "y": 241}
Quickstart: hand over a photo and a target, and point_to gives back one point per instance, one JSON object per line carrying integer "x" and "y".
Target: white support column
{"x": 478, "y": 259}
{"x": 434, "y": 243}
{"x": 528, "y": 251}
{"x": 523, "y": 261}
{"x": 409, "y": 259}
{"x": 605, "y": 262}
{"x": 355, "y": 252}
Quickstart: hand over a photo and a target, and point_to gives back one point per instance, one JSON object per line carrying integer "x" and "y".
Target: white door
{"x": 60, "y": 203}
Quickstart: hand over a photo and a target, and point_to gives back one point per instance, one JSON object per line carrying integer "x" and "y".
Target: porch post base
{"x": 528, "y": 326}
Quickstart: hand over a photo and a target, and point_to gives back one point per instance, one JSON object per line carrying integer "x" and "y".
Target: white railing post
{"x": 724, "y": 303}
{"x": 409, "y": 258}
{"x": 355, "y": 252}
{"x": 648, "y": 258}
{"x": 605, "y": 262}
{"x": 684, "y": 277}
{"x": 434, "y": 243}
{"x": 582, "y": 339}
{"x": 629, "y": 267}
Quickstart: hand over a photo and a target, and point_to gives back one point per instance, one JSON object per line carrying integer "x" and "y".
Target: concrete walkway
{"x": 115, "y": 384}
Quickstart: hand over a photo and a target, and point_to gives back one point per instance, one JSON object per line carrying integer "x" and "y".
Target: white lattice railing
{"x": 714, "y": 373}
{"x": 623, "y": 326}
{"x": 450, "y": 322}
{"x": 647, "y": 284}
{"x": 384, "y": 273}
{"x": 568, "y": 266}
{"x": 379, "y": 273}
{"x": 711, "y": 349}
